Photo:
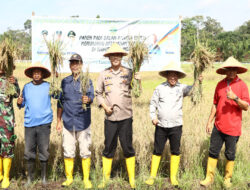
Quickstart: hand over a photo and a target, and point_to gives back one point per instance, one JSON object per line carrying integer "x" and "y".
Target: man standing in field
{"x": 37, "y": 119}
{"x": 230, "y": 98}
{"x": 115, "y": 82}
{"x": 166, "y": 115}
{"x": 7, "y": 124}
{"x": 76, "y": 121}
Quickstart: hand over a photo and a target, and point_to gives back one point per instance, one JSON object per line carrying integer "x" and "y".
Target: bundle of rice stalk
{"x": 202, "y": 58}
{"x": 55, "y": 49}
{"x": 138, "y": 52}
{"x": 84, "y": 81}
{"x": 8, "y": 54}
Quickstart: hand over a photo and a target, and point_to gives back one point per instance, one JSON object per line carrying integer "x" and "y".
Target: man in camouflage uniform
{"x": 7, "y": 123}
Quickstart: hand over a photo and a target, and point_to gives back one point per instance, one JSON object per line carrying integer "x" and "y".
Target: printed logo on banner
{"x": 92, "y": 37}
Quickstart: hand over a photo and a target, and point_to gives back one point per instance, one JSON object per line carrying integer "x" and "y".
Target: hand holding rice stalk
{"x": 138, "y": 52}
{"x": 56, "y": 60}
{"x": 8, "y": 53}
{"x": 84, "y": 81}
{"x": 202, "y": 59}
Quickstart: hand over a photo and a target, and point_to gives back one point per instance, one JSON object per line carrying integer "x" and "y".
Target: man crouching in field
{"x": 167, "y": 101}
{"x": 76, "y": 121}
{"x": 117, "y": 104}
{"x": 37, "y": 119}
{"x": 230, "y": 98}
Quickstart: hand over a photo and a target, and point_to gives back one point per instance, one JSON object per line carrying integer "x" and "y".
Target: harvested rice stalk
{"x": 138, "y": 52}
{"x": 55, "y": 48}
{"x": 202, "y": 58}
{"x": 84, "y": 81}
{"x": 8, "y": 53}
{"x": 55, "y": 85}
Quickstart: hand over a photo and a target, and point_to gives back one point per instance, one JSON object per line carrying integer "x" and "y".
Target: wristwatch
{"x": 236, "y": 99}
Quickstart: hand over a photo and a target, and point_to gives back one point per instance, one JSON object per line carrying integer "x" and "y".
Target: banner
{"x": 92, "y": 37}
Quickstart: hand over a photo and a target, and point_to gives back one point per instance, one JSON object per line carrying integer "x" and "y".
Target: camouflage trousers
{"x": 7, "y": 141}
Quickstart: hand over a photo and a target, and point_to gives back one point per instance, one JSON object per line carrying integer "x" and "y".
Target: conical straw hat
{"x": 115, "y": 48}
{"x": 172, "y": 66}
{"x": 229, "y": 63}
{"x": 29, "y": 71}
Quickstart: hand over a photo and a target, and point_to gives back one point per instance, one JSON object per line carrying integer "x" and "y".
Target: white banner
{"x": 92, "y": 37}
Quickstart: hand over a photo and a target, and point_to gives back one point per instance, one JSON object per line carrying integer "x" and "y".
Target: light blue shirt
{"x": 166, "y": 104}
{"x": 36, "y": 100}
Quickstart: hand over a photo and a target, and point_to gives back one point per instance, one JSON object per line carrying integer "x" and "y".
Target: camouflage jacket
{"x": 6, "y": 104}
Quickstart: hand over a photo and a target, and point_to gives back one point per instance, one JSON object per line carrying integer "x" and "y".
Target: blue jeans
{"x": 216, "y": 142}
{"x": 37, "y": 137}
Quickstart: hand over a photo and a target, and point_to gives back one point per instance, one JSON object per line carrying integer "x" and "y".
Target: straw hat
{"x": 115, "y": 48}
{"x": 229, "y": 63}
{"x": 172, "y": 66}
{"x": 29, "y": 71}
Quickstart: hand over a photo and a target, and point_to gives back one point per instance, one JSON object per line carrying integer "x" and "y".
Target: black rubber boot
{"x": 31, "y": 172}
{"x": 43, "y": 173}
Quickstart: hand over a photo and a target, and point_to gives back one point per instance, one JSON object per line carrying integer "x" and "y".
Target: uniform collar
{"x": 121, "y": 69}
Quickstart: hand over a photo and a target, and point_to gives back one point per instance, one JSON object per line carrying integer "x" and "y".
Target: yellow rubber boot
{"x": 107, "y": 165}
{"x": 130, "y": 163}
{"x": 228, "y": 173}
{"x": 69, "y": 166}
{"x": 174, "y": 166}
{"x": 211, "y": 166}
{"x": 6, "y": 170}
{"x": 1, "y": 168}
{"x": 154, "y": 168}
{"x": 86, "y": 169}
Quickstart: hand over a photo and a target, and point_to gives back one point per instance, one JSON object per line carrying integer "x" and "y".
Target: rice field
{"x": 194, "y": 144}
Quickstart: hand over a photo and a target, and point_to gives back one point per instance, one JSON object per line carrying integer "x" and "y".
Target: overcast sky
{"x": 230, "y": 13}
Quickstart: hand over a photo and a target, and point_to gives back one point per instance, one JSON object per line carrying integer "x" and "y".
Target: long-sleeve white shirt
{"x": 166, "y": 104}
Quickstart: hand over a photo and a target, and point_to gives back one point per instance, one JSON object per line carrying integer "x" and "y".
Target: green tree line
{"x": 205, "y": 29}
{"x": 209, "y": 32}
{"x": 22, "y": 40}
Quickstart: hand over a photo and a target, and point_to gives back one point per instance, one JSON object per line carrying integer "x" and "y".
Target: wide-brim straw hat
{"x": 172, "y": 66}
{"x": 115, "y": 48}
{"x": 29, "y": 71}
{"x": 231, "y": 62}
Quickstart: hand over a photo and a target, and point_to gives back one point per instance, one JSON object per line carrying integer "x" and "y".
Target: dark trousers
{"x": 161, "y": 137}
{"x": 37, "y": 137}
{"x": 216, "y": 142}
{"x": 121, "y": 129}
